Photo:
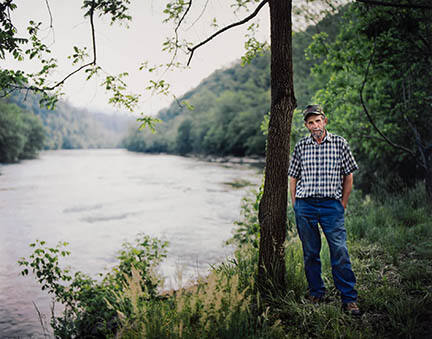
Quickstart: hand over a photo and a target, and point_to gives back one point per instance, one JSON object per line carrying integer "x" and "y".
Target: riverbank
{"x": 255, "y": 161}
{"x": 110, "y": 196}
{"x": 391, "y": 250}
{"x": 390, "y": 241}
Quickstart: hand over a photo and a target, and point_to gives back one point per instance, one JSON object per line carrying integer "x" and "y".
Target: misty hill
{"x": 229, "y": 106}
{"x": 67, "y": 127}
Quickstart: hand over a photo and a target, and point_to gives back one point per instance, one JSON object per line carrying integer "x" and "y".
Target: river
{"x": 97, "y": 199}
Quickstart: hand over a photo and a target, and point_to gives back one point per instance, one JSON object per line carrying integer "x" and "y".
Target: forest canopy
{"x": 229, "y": 108}
{"x": 21, "y": 133}
{"x": 27, "y": 127}
{"x": 369, "y": 66}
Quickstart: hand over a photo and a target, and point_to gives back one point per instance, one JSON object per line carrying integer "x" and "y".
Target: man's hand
{"x": 346, "y": 189}
{"x": 344, "y": 204}
{"x": 292, "y": 186}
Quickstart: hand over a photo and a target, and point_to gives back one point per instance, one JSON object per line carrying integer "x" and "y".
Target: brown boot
{"x": 351, "y": 308}
{"x": 314, "y": 300}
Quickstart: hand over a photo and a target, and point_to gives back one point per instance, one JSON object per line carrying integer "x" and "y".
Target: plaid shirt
{"x": 320, "y": 168}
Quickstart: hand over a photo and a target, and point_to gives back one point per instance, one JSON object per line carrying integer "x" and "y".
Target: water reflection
{"x": 95, "y": 200}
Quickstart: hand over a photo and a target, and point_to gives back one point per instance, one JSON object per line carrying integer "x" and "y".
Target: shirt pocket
{"x": 332, "y": 164}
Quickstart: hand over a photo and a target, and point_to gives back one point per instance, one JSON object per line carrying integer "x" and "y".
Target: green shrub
{"x": 92, "y": 307}
{"x": 390, "y": 248}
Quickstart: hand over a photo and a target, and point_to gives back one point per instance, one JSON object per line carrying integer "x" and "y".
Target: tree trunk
{"x": 428, "y": 177}
{"x": 273, "y": 205}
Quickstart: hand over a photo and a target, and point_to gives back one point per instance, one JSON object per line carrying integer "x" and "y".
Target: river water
{"x": 97, "y": 199}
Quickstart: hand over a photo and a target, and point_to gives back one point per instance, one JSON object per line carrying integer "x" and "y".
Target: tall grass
{"x": 390, "y": 247}
{"x": 390, "y": 244}
{"x": 221, "y": 306}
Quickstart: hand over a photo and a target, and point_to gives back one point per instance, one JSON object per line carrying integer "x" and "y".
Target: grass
{"x": 390, "y": 243}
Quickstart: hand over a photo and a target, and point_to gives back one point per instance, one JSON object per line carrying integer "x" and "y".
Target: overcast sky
{"x": 120, "y": 49}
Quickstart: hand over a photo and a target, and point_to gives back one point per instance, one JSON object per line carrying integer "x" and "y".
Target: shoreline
{"x": 252, "y": 160}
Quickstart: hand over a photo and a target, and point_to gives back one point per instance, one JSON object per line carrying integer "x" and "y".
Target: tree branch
{"x": 421, "y": 148}
{"x": 182, "y": 18}
{"x": 387, "y": 4}
{"x": 369, "y": 116}
{"x": 61, "y": 82}
{"x": 93, "y": 62}
{"x": 49, "y": 12}
{"x": 241, "y": 22}
{"x": 200, "y": 15}
{"x": 6, "y": 93}
{"x": 176, "y": 32}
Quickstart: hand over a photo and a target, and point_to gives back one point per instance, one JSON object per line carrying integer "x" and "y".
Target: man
{"x": 321, "y": 177}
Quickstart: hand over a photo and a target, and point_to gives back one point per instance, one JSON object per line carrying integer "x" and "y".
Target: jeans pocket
{"x": 341, "y": 206}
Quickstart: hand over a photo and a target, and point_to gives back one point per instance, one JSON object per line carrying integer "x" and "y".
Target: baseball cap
{"x": 312, "y": 109}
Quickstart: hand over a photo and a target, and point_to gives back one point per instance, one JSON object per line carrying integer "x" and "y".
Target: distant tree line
{"x": 227, "y": 113}
{"x": 229, "y": 107}
{"x": 369, "y": 66}
{"x": 69, "y": 127}
{"x": 27, "y": 127}
{"x": 22, "y": 134}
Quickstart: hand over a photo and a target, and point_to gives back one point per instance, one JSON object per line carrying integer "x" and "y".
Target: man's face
{"x": 316, "y": 125}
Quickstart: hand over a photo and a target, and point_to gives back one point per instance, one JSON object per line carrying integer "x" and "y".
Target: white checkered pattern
{"x": 320, "y": 167}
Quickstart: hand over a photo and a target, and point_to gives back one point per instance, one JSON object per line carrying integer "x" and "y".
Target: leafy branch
{"x": 391, "y": 143}
{"x": 238, "y": 23}
{"x": 148, "y": 121}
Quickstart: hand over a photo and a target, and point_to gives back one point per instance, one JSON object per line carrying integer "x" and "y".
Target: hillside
{"x": 230, "y": 105}
{"x": 67, "y": 127}
{"x": 26, "y": 128}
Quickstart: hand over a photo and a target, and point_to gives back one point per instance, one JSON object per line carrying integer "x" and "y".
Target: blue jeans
{"x": 329, "y": 213}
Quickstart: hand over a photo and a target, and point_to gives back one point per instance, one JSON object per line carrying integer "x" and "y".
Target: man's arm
{"x": 347, "y": 184}
{"x": 292, "y": 186}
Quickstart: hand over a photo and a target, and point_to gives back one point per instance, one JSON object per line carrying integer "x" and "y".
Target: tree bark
{"x": 273, "y": 205}
{"x": 428, "y": 177}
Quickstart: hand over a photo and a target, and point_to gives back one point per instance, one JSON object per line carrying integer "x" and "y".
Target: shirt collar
{"x": 328, "y": 137}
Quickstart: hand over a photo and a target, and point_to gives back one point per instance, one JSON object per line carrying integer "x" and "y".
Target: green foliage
{"x": 117, "y": 9}
{"x": 397, "y": 45}
{"x": 35, "y": 135}
{"x": 20, "y": 48}
{"x": 252, "y": 46}
{"x": 68, "y": 127}
{"x": 174, "y": 9}
{"x": 8, "y": 41}
{"x": 21, "y": 134}
{"x": 92, "y": 307}
{"x": 400, "y": 222}
{"x": 230, "y": 105}
{"x": 390, "y": 247}
{"x": 183, "y": 140}
{"x": 33, "y": 48}
{"x": 221, "y": 122}
{"x": 226, "y": 303}
{"x": 120, "y": 98}
{"x": 247, "y": 229}
{"x": 144, "y": 256}
{"x": 44, "y": 262}
{"x": 147, "y": 121}
{"x": 222, "y": 305}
